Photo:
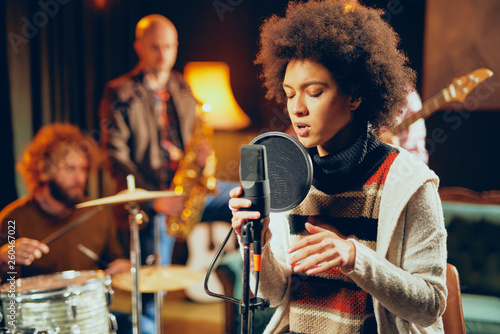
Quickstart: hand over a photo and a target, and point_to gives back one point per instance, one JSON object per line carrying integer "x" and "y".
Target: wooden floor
{"x": 181, "y": 315}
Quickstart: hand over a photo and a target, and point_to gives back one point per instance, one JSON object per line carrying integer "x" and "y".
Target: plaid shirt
{"x": 170, "y": 138}
{"x": 413, "y": 138}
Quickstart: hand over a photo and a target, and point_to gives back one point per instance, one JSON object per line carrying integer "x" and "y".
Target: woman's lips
{"x": 302, "y": 129}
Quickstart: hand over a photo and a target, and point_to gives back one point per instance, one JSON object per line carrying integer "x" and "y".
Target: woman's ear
{"x": 355, "y": 103}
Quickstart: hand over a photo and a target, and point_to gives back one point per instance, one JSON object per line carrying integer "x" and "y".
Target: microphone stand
{"x": 246, "y": 239}
{"x": 248, "y": 305}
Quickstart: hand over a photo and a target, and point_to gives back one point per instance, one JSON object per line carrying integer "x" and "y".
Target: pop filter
{"x": 290, "y": 169}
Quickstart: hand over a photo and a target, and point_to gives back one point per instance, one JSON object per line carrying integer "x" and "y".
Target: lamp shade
{"x": 211, "y": 85}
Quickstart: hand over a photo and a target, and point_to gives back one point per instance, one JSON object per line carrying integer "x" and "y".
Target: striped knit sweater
{"x": 405, "y": 275}
{"x": 345, "y": 197}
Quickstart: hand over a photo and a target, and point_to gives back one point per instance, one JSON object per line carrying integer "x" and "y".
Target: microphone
{"x": 254, "y": 178}
{"x": 255, "y": 186}
{"x": 289, "y": 168}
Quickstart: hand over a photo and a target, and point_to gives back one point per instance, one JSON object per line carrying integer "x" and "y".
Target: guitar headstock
{"x": 461, "y": 87}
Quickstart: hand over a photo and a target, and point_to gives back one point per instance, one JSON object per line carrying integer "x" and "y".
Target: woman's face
{"x": 317, "y": 109}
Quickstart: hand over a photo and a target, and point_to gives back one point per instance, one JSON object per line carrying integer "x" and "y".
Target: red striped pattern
{"x": 331, "y": 292}
{"x": 381, "y": 174}
{"x": 341, "y": 296}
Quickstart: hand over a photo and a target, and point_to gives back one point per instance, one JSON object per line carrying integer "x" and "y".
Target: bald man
{"x": 147, "y": 119}
{"x": 148, "y": 114}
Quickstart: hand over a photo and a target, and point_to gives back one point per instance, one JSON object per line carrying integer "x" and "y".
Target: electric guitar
{"x": 457, "y": 91}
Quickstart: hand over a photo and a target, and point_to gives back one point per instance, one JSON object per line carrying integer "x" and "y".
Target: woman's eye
{"x": 290, "y": 97}
{"x": 315, "y": 94}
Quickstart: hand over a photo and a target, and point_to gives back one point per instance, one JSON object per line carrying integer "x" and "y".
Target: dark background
{"x": 59, "y": 74}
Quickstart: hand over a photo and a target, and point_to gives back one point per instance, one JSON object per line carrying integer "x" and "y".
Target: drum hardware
{"x": 68, "y": 302}
{"x": 159, "y": 278}
{"x": 54, "y": 329}
{"x": 158, "y": 298}
{"x": 109, "y": 293}
{"x": 20, "y": 330}
{"x": 127, "y": 196}
{"x": 130, "y": 197}
{"x": 135, "y": 219}
{"x": 113, "y": 323}
{"x": 72, "y": 304}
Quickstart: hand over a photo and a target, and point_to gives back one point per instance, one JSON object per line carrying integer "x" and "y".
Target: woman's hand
{"x": 322, "y": 250}
{"x": 240, "y": 215}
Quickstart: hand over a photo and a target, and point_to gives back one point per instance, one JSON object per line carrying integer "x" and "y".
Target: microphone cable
{"x": 212, "y": 264}
{"x": 210, "y": 268}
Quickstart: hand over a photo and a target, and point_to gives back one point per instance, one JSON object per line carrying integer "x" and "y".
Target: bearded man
{"x": 55, "y": 168}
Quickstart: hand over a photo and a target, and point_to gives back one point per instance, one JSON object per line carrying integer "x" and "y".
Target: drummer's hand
{"x": 118, "y": 266}
{"x": 170, "y": 206}
{"x": 240, "y": 215}
{"x": 26, "y": 251}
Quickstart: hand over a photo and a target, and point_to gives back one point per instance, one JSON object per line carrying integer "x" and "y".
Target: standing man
{"x": 147, "y": 120}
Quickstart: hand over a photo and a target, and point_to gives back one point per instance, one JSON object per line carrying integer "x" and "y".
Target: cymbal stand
{"x": 159, "y": 295}
{"x": 135, "y": 219}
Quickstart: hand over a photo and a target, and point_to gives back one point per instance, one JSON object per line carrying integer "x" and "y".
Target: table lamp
{"x": 211, "y": 85}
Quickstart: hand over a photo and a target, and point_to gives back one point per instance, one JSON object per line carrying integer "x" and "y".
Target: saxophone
{"x": 193, "y": 181}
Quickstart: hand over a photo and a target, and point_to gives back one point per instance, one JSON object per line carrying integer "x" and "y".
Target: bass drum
{"x": 69, "y": 302}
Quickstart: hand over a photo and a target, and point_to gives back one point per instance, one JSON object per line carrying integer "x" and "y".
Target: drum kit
{"x": 72, "y": 302}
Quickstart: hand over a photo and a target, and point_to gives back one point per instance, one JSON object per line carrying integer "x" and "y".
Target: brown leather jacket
{"x": 130, "y": 133}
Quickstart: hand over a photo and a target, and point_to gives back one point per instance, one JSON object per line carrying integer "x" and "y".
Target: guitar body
{"x": 203, "y": 243}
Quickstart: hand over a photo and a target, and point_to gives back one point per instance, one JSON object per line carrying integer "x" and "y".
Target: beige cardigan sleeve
{"x": 409, "y": 281}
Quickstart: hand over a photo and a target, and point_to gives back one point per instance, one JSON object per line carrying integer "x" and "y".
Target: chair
{"x": 453, "y": 317}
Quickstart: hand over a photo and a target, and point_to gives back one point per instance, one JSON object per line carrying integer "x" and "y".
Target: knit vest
{"x": 345, "y": 197}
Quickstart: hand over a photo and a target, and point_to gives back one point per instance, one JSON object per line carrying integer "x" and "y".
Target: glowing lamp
{"x": 210, "y": 84}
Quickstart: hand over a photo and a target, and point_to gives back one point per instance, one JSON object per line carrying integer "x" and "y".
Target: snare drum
{"x": 69, "y": 302}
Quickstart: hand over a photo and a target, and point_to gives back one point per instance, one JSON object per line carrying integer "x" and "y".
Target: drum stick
{"x": 92, "y": 255}
{"x": 65, "y": 229}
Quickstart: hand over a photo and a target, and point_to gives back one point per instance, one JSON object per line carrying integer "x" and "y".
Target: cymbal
{"x": 159, "y": 278}
{"x": 126, "y": 196}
